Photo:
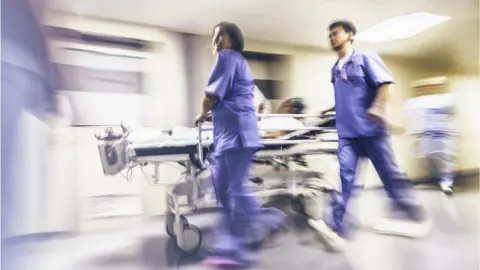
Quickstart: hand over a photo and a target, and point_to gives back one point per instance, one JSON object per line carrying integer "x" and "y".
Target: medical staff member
{"x": 361, "y": 82}
{"x": 28, "y": 85}
{"x": 229, "y": 96}
{"x": 430, "y": 121}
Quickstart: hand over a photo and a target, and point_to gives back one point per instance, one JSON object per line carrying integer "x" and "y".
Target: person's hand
{"x": 321, "y": 114}
{"x": 377, "y": 113}
{"x": 200, "y": 118}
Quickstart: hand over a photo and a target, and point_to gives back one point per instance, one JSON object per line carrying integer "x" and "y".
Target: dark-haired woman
{"x": 230, "y": 97}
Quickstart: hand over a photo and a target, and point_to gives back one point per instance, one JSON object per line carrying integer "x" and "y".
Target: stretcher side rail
{"x": 283, "y": 139}
{"x": 439, "y": 133}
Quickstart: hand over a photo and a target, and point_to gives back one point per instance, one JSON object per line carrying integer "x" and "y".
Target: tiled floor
{"x": 453, "y": 244}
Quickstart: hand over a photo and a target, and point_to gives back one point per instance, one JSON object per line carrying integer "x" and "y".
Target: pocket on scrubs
{"x": 356, "y": 77}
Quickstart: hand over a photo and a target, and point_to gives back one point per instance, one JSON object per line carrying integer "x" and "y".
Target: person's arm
{"x": 380, "y": 78}
{"x": 219, "y": 82}
{"x": 332, "y": 109}
{"x": 207, "y": 104}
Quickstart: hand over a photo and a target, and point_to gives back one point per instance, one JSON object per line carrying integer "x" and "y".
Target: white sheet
{"x": 182, "y": 136}
{"x": 278, "y": 123}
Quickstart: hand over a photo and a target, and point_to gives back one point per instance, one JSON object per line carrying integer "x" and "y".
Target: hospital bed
{"x": 191, "y": 149}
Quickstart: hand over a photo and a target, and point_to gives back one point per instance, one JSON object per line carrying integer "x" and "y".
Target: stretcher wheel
{"x": 170, "y": 223}
{"x": 192, "y": 237}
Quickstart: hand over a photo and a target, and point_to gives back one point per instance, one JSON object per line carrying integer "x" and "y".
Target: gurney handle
{"x": 294, "y": 115}
{"x": 200, "y": 145}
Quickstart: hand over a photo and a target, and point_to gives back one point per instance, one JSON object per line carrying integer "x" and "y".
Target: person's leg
{"x": 224, "y": 243}
{"x": 246, "y": 220}
{"x": 251, "y": 223}
{"x": 444, "y": 159}
{"x": 446, "y": 166}
{"x": 333, "y": 228}
{"x": 398, "y": 187}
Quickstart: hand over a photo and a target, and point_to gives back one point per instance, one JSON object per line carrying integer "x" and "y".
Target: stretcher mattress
{"x": 184, "y": 140}
{"x": 185, "y": 149}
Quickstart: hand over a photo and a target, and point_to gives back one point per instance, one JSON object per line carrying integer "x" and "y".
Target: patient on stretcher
{"x": 270, "y": 127}
{"x": 289, "y": 106}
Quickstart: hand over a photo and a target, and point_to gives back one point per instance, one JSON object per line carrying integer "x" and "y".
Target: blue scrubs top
{"x": 355, "y": 86}
{"x": 234, "y": 116}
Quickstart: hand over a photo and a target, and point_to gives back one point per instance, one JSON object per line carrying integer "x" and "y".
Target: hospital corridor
{"x": 208, "y": 134}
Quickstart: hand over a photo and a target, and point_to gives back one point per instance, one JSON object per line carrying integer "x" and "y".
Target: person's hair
{"x": 292, "y": 106}
{"x": 233, "y": 31}
{"x": 348, "y": 26}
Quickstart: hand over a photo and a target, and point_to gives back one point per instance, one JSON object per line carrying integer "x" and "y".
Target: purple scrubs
{"x": 236, "y": 139}
{"x": 356, "y": 85}
{"x": 27, "y": 84}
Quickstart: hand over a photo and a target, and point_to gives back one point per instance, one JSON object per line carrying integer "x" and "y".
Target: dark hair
{"x": 233, "y": 31}
{"x": 296, "y": 105}
{"x": 348, "y": 26}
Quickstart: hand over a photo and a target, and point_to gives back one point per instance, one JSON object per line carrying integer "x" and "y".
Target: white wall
{"x": 164, "y": 88}
{"x": 467, "y": 91}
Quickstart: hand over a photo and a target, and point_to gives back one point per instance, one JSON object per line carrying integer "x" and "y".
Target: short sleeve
{"x": 376, "y": 71}
{"x": 222, "y": 75}
{"x": 332, "y": 72}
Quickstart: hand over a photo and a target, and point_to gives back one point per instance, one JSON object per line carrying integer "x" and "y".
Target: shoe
{"x": 225, "y": 263}
{"x": 447, "y": 188}
{"x": 269, "y": 239}
{"x": 414, "y": 225}
{"x": 221, "y": 263}
{"x": 334, "y": 241}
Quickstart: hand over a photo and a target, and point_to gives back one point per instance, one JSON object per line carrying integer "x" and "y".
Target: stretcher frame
{"x": 176, "y": 223}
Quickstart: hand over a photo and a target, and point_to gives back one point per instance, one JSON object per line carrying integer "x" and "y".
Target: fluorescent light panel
{"x": 401, "y": 27}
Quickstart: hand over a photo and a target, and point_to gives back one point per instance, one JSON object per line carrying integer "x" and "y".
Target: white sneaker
{"x": 405, "y": 228}
{"x": 333, "y": 240}
{"x": 447, "y": 188}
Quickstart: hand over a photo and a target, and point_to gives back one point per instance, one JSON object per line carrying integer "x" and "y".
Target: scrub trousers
{"x": 243, "y": 222}
{"x": 438, "y": 152}
{"x": 397, "y": 185}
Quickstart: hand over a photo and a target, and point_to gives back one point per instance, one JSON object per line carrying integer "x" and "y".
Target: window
{"x": 103, "y": 84}
{"x": 89, "y": 71}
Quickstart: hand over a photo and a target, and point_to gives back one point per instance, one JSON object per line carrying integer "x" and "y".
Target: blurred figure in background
{"x": 230, "y": 97}
{"x": 429, "y": 117}
{"x": 28, "y": 83}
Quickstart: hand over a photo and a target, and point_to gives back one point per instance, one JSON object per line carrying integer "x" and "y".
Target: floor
{"x": 452, "y": 244}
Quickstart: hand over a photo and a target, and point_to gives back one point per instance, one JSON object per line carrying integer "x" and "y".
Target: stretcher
{"x": 192, "y": 147}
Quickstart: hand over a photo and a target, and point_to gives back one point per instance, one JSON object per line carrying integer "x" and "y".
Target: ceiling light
{"x": 401, "y": 27}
